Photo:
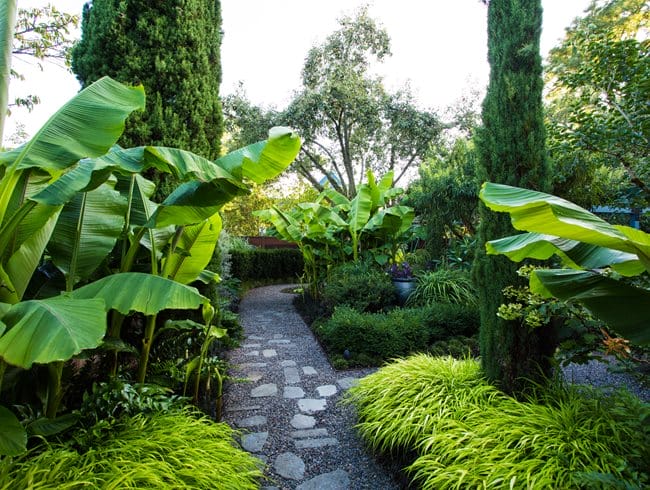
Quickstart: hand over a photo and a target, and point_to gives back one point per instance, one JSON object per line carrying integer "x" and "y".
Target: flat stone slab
{"x": 253, "y": 353}
{"x": 335, "y": 480}
{"x": 254, "y": 337}
{"x": 243, "y": 408}
{"x": 290, "y": 466}
{"x": 309, "y": 371}
{"x": 326, "y": 390}
{"x": 300, "y": 421}
{"x": 288, "y": 363}
{"x": 247, "y": 365}
{"x": 279, "y": 341}
{"x": 252, "y": 421}
{"x": 253, "y": 443}
{"x": 253, "y": 377}
{"x": 291, "y": 375}
{"x": 269, "y": 353}
{"x": 348, "y": 382}
{"x": 293, "y": 392}
{"x": 251, "y": 346}
{"x": 301, "y": 434}
{"x": 270, "y": 389}
{"x": 312, "y": 405}
{"x": 312, "y": 443}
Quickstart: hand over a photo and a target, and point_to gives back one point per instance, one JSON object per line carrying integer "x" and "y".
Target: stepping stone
{"x": 309, "y": 371}
{"x": 346, "y": 383}
{"x": 253, "y": 353}
{"x": 252, "y": 421}
{"x": 301, "y": 434}
{"x": 243, "y": 408}
{"x": 290, "y": 466}
{"x": 279, "y": 341}
{"x": 270, "y": 389}
{"x": 269, "y": 353}
{"x": 251, "y": 346}
{"x": 253, "y": 377}
{"x": 312, "y": 405}
{"x": 278, "y": 335}
{"x": 293, "y": 392}
{"x": 300, "y": 421}
{"x": 247, "y": 365}
{"x": 253, "y": 443}
{"x": 312, "y": 443}
{"x": 291, "y": 375}
{"x": 255, "y": 337}
{"x": 335, "y": 480}
{"x": 326, "y": 390}
{"x": 288, "y": 363}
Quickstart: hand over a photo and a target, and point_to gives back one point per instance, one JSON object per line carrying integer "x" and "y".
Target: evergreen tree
{"x": 512, "y": 151}
{"x": 173, "y": 49}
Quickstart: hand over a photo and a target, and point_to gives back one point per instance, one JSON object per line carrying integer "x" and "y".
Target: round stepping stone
{"x": 253, "y": 353}
{"x": 291, "y": 375}
{"x": 335, "y": 480}
{"x": 309, "y": 371}
{"x": 252, "y": 421}
{"x": 288, "y": 363}
{"x": 269, "y": 353}
{"x": 253, "y": 377}
{"x": 253, "y": 443}
{"x": 300, "y": 421}
{"x": 270, "y": 389}
{"x": 293, "y": 392}
{"x": 290, "y": 466}
{"x": 312, "y": 405}
{"x": 326, "y": 390}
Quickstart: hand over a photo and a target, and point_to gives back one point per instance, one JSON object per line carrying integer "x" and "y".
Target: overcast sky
{"x": 439, "y": 48}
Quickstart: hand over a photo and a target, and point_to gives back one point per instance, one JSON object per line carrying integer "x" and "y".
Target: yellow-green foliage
{"x": 467, "y": 434}
{"x": 177, "y": 450}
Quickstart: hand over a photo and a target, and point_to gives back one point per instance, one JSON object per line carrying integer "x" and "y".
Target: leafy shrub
{"x": 444, "y": 286}
{"x": 464, "y": 433}
{"x": 360, "y": 286}
{"x": 164, "y": 451}
{"x": 371, "y": 338}
{"x": 266, "y": 263}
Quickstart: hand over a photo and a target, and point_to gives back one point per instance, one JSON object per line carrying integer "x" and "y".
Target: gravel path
{"x": 286, "y": 403}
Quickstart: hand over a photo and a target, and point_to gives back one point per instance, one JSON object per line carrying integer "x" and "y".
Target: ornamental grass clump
{"x": 463, "y": 433}
{"x": 172, "y": 450}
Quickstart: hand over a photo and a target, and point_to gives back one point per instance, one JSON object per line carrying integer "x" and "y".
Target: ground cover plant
{"x": 462, "y": 432}
{"x": 178, "y": 449}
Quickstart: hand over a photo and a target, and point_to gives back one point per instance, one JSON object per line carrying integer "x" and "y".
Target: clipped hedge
{"x": 372, "y": 338}
{"x": 266, "y": 263}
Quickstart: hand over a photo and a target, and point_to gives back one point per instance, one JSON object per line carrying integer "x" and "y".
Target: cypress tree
{"x": 511, "y": 145}
{"x": 172, "y": 47}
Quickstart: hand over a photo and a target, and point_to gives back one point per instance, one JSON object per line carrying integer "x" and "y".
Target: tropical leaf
{"x": 360, "y": 208}
{"x": 13, "y": 437}
{"x": 53, "y": 329}
{"x": 622, "y": 306}
{"x": 144, "y": 293}
{"x": 197, "y": 243}
{"x": 48, "y": 427}
{"x": 264, "y": 160}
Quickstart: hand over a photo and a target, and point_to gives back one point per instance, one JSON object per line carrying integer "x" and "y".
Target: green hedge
{"x": 372, "y": 338}
{"x": 266, "y": 263}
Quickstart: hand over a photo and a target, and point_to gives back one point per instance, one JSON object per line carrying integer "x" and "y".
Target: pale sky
{"x": 439, "y": 48}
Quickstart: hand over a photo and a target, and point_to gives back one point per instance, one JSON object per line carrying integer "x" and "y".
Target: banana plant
{"x": 595, "y": 255}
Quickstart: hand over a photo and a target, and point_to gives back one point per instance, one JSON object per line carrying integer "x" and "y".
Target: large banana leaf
{"x": 145, "y": 293}
{"x": 13, "y": 436}
{"x": 264, "y": 160}
{"x": 86, "y": 232}
{"x": 193, "y": 251}
{"x": 546, "y": 214}
{"x": 360, "y": 208}
{"x": 622, "y": 306}
{"x": 391, "y": 222}
{"x": 52, "y": 329}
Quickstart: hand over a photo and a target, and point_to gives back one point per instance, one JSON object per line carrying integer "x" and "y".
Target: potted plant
{"x": 402, "y": 276}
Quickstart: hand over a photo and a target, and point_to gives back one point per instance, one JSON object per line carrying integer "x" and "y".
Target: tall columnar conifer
{"x": 512, "y": 151}
{"x": 172, "y": 47}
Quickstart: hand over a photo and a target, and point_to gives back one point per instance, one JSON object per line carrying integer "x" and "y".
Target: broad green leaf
{"x": 186, "y": 165}
{"x": 546, "y": 214}
{"x": 623, "y": 307}
{"x": 145, "y": 293}
{"x": 335, "y": 197}
{"x": 13, "y": 436}
{"x": 86, "y": 232}
{"x": 48, "y": 427}
{"x": 574, "y": 254}
{"x": 264, "y": 160}
{"x": 360, "y": 208}
{"x": 392, "y": 221}
{"x": 198, "y": 243}
{"x": 53, "y": 329}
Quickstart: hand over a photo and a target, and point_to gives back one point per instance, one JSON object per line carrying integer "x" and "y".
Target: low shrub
{"x": 444, "y": 286}
{"x": 364, "y": 339}
{"x": 358, "y": 285}
{"x": 164, "y": 451}
{"x": 464, "y": 433}
{"x": 266, "y": 263}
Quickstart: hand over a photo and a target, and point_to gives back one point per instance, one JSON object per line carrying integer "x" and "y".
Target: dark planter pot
{"x": 404, "y": 288}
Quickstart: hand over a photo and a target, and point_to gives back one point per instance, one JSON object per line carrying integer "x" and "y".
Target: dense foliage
{"x": 173, "y": 49}
{"x": 462, "y": 431}
{"x": 267, "y": 263}
{"x": 511, "y": 148}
